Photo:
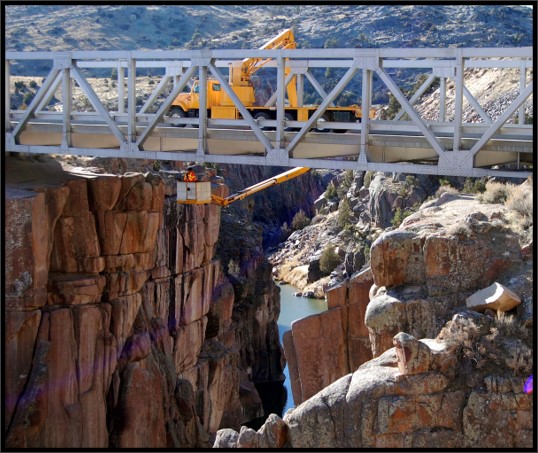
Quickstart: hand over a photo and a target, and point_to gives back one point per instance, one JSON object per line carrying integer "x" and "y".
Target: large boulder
{"x": 495, "y": 297}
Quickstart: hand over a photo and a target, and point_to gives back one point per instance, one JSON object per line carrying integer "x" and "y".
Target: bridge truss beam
{"x": 417, "y": 145}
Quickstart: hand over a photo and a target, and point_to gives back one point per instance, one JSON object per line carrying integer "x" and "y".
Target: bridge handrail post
{"x": 280, "y": 83}
{"x": 458, "y": 101}
{"x": 7, "y": 92}
{"x": 202, "y": 116}
{"x": 366, "y": 101}
{"x": 67, "y": 102}
{"x": 131, "y": 100}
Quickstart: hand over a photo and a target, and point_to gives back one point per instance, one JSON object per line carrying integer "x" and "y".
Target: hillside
{"x": 168, "y": 27}
{"x": 127, "y": 27}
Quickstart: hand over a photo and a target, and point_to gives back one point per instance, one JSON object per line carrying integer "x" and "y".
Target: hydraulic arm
{"x": 200, "y": 192}
{"x": 280, "y": 178}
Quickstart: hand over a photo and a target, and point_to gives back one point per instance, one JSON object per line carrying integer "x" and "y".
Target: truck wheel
{"x": 177, "y": 112}
{"x": 339, "y": 131}
{"x": 289, "y": 117}
{"x": 264, "y": 116}
{"x": 323, "y": 118}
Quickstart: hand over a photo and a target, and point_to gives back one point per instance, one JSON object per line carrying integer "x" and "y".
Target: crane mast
{"x": 241, "y": 71}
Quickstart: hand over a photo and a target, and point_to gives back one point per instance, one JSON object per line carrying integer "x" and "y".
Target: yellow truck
{"x": 219, "y": 104}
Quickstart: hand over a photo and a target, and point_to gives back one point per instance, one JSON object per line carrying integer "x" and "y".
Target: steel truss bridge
{"x": 413, "y": 145}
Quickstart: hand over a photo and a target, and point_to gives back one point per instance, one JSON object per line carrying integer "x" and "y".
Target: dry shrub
{"x": 496, "y": 192}
{"x": 445, "y": 188}
{"x": 520, "y": 199}
{"x": 300, "y": 221}
{"x": 459, "y": 229}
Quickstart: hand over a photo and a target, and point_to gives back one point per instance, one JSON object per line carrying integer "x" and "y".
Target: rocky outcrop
{"x": 408, "y": 397}
{"x": 322, "y": 348}
{"x": 442, "y": 375}
{"x": 119, "y": 321}
{"x": 351, "y": 214}
{"x": 426, "y": 268}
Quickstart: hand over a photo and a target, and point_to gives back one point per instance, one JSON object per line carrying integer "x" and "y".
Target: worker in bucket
{"x": 190, "y": 176}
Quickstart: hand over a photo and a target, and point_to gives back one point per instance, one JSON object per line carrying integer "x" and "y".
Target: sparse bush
{"x": 399, "y": 216}
{"x": 496, "y": 192}
{"x": 28, "y": 97}
{"x": 345, "y": 184}
{"x": 344, "y": 213}
{"x": 368, "y": 178}
{"x": 33, "y": 84}
{"x": 233, "y": 268}
{"x": 300, "y": 220}
{"x": 285, "y": 232}
{"x": 459, "y": 229}
{"x": 474, "y": 185}
{"x": 330, "y": 192}
{"x": 329, "y": 260}
{"x": 445, "y": 188}
{"x": 520, "y": 199}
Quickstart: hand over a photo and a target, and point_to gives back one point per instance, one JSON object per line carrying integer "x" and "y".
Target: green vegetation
{"x": 368, "y": 178}
{"x": 345, "y": 184}
{"x": 300, "y": 220}
{"x": 330, "y": 192}
{"x": 399, "y": 216}
{"x": 344, "y": 213}
{"x": 474, "y": 185}
{"x": 329, "y": 260}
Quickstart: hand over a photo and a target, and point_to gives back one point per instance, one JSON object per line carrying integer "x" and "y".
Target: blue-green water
{"x": 292, "y": 308}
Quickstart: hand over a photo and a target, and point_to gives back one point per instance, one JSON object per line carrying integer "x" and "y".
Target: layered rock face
{"x": 119, "y": 329}
{"x": 442, "y": 375}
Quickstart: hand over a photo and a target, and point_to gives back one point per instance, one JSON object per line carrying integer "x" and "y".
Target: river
{"x": 292, "y": 308}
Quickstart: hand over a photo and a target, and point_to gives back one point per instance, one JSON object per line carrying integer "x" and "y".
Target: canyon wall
{"x": 119, "y": 323}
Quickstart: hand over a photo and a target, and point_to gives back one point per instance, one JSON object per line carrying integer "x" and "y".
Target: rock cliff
{"x": 121, "y": 329}
{"x": 442, "y": 374}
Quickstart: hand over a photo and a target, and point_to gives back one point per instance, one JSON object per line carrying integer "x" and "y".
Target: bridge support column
{"x": 442, "y": 100}
{"x": 277, "y": 157}
{"x": 456, "y": 163}
{"x": 522, "y": 84}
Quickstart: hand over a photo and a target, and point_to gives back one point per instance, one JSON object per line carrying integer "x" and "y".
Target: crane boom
{"x": 200, "y": 192}
{"x": 278, "y": 179}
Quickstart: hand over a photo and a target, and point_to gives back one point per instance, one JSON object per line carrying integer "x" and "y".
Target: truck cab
{"x": 219, "y": 104}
